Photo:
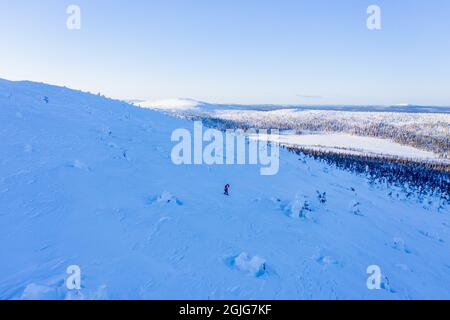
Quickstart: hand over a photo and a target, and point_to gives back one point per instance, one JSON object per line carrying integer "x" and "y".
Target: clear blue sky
{"x": 241, "y": 51}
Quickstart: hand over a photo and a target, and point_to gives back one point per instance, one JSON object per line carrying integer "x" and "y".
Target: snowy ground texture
{"x": 89, "y": 181}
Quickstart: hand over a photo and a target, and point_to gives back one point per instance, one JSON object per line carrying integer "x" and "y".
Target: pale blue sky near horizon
{"x": 234, "y": 51}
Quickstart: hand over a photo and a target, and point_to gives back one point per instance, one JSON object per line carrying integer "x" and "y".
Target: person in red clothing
{"x": 227, "y": 187}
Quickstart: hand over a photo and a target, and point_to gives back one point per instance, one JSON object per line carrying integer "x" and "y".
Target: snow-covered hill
{"x": 89, "y": 181}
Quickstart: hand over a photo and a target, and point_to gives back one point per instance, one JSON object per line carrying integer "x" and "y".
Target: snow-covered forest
{"x": 419, "y": 173}
{"x": 427, "y": 131}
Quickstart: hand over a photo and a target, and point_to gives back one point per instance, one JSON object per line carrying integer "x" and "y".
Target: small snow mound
{"x": 385, "y": 285}
{"x": 101, "y": 293}
{"x": 355, "y": 208}
{"x": 28, "y": 148}
{"x": 399, "y": 244}
{"x": 35, "y": 291}
{"x": 167, "y": 198}
{"x": 79, "y": 165}
{"x": 325, "y": 260}
{"x": 300, "y": 207}
{"x": 254, "y": 266}
{"x": 75, "y": 295}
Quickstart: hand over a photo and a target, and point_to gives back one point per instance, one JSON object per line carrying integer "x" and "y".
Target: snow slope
{"x": 88, "y": 181}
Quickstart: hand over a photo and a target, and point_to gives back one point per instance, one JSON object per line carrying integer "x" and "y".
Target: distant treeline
{"x": 421, "y": 178}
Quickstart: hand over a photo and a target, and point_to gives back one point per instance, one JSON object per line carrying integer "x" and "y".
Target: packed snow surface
{"x": 89, "y": 181}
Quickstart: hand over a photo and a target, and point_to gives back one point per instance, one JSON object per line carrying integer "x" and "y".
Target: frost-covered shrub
{"x": 254, "y": 266}
{"x": 355, "y": 208}
{"x": 322, "y": 197}
{"x": 167, "y": 198}
{"x": 300, "y": 207}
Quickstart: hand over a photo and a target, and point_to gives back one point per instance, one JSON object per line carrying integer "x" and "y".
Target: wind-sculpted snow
{"x": 88, "y": 181}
